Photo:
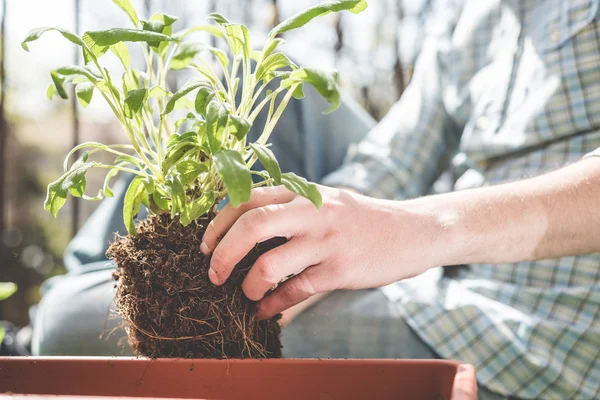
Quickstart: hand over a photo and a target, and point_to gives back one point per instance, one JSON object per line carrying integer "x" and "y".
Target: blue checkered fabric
{"x": 513, "y": 87}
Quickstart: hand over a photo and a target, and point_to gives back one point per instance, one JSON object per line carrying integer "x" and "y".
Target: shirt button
{"x": 483, "y": 123}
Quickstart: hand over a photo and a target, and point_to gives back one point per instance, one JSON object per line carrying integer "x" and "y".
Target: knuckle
{"x": 254, "y": 220}
{"x": 298, "y": 288}
{"x": 211, "y": 230}
{"x": 218, "y": 261}
{"x": 265, "y": 267}
{"x": 330, "y": 207}
{"x": 257, "y": 196}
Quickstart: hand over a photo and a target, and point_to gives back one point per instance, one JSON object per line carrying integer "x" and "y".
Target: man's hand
{"x": 352, "y": 242}
{"x": 357, "y": 242}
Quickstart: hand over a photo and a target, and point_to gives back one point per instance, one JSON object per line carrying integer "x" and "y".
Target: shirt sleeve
{"x": 407, "y": 151}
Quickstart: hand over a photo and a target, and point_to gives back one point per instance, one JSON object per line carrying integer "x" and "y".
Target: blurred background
{"x": 374, "y": 53}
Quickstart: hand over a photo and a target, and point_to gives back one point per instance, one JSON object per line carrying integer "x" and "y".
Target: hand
{"x": 352, "y": 242}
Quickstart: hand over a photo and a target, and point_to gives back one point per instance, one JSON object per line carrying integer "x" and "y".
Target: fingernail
{"x": 212, "y": 275}
{"x": 204, "y": 248}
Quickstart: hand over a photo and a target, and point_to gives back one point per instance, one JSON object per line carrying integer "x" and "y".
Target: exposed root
{"x": 169, "y": 306}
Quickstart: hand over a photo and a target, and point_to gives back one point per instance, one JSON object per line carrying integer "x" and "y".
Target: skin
{"x": 357, "y": 242}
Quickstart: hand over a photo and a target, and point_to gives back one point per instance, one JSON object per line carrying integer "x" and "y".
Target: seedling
{"x": 186, "y": 166}
{"x": 183, "y": 166}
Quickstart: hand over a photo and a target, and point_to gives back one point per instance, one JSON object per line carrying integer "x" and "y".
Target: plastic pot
{"x": 237, "y": 379}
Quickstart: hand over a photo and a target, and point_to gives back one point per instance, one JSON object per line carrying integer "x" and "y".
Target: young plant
{"x": 186, "y": 166}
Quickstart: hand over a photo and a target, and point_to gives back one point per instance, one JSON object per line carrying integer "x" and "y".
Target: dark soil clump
{"x": 169, "y": 306}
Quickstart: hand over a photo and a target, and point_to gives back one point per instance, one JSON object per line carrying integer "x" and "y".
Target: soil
{"x": 169, "y": 306}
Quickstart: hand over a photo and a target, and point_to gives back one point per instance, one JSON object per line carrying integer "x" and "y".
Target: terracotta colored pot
{"x": 238, "y": 379}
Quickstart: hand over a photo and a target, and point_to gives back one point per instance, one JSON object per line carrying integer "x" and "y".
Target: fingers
{"x": 294, "y": 291}
{"x": 227, "y": 217}
{"x": 465, "y": 383}
{"x": 255, "y": 226}
{"x": 291, "y": 313}
{"x": 291, "y": 258}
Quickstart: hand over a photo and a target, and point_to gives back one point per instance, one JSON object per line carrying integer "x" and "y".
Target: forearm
{"x": 549, "y": 216}
{"x": 356, "y": 242}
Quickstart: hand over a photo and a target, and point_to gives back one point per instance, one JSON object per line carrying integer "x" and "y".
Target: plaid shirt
{"x": 513, "y": 87}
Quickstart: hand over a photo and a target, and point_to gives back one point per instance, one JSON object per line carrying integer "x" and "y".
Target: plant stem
{"x": 124, "y": 122}
{"x": 124, "y": 169}
{"x": 255, "y": 98}
{"x": 263, "y": 103}
{"x": 230, "y": 88}
{"x": 269, "y": 129}
{"x": 271, "y": 124}
{"x": 263, "y": 183}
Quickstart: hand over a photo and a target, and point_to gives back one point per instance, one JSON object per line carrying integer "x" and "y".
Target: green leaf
{"x": 159, "y": 23}
{"x": 79, "y": 182}
{"x": 35, "y": 34}
{"x": 127, "y": 159}
{"x": 77, "y": 70}
{"x": 59, "y": 81}
{"x": 206, "y": 72}
{"x": 7, "y": 289}
{"x": 271, "y": 45}
{"x": 134, "y": 101}
{"x": 239, "y": 126}
{"x": 122, "y": 52}
{"x": 106, "y": 190}
{"x": 133, "y": 200}
{"x": 185, "y": 54}
{"x": 213, "y": 30}
{"x": 203, "y": 98}
{"x": 239, "y": 40}
{"x": 158, "y": 91}
{"x": 299, "y": 92}
{"x": 325, "y": 81}
{"x": 255, "y": 55}
{"x": 235, "y": 174}
{"x": 187, "y": 51}
{"x": 110, "y": 85}
{"x": 144, "y": 199}
{"x": 166, "y": 18}
{"x": 175, "y": 155}
{"x": 149, "y": 184}
{"x": 304, "y": 17}
{"x": 219, "y": 55}
{"x": 302, "y": 187}
{"x": 154, "y": 26}
{"x": 218, "y": 18}
{"x": 160, "y": 201}
{"x": 216, "y": 122}
{"x": 197, "y": 208}
{"x": 84, "y": 92}
{"x": 189, "y": 170}
{"x": 51, "y": 91}
{"x": 175, "y": 140}
{"x": 272, "y": 63}
{"x": 177, "y": 196}
{"x": 93, "y": 145}
{"x": 187, "y": 88}
{"x": 59, "y": 189}
{"x": 99, "y": 41}
{"x": 268, "y": 160}
{"x": 126, "y": 6}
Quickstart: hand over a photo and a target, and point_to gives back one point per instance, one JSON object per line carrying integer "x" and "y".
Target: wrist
{"x": 434, "y": 229}
{"x": 448, "y": 230}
